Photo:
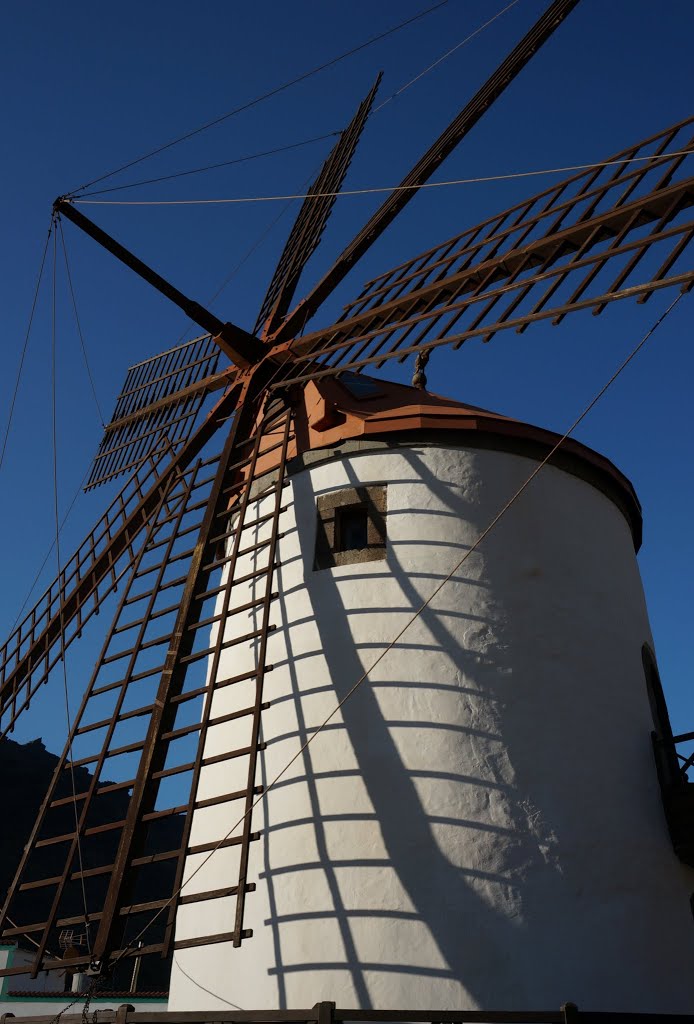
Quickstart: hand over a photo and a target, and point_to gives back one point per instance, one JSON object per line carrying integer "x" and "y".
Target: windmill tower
{"x": 484, "y": 814}
{"x": 483, "y": 799}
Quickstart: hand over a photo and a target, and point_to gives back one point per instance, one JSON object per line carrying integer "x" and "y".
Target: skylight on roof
{"x": 360, "y": 387}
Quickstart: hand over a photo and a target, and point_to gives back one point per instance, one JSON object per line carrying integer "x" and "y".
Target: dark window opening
{"x": 351, "y": 528}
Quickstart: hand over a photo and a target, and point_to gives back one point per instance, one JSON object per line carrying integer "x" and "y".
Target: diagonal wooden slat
{"x": 312, "y": 219}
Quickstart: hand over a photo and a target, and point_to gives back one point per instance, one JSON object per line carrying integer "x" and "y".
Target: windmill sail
{"x": 157, "y": 407}
{"x": 105, "y": 555}
{"x": 313, "y": 216}
{"x": 617, "y": 230}
{"x": 31, "y": 651}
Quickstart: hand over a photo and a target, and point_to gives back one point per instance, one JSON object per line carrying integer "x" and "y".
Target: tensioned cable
{"x": 443, "y": 57}
{"x": 50, "y": 549}
{"x": 101, "y": 419}
{"x": 48, "y": 553}
{"x": 386, "y": 188}
{"x": 54, "y": 424}
{"x": 26, "y": 343}
{"x": 214, "y": 167}
{"x": 265, "y": 96}
{"x": 79, "y": 326}
{"x": 318, "y": 138}
{"x": 415, "y": 615}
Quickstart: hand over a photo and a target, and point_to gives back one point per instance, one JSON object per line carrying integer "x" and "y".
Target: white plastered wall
{"x": 480, "y": 826}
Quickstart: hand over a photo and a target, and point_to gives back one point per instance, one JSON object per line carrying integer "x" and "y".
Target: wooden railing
{"x": 327, "y": 1013}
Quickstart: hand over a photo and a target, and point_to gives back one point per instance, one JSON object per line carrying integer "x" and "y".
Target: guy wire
{"x": 79, "y": 326}
{"x": 265, "y": 96}
{"x": 60, "y": 590}
{"x": 26, "y": 342}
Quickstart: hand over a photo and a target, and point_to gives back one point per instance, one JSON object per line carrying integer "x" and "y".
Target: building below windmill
{"x": 50, "y": 992}
{"x": 481, "y": 823}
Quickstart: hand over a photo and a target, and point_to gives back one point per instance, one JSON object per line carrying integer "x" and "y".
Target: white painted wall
{"x": 481, "y": 825}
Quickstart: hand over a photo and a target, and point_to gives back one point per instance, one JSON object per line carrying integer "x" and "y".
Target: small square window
{"x": 351, "y": 526}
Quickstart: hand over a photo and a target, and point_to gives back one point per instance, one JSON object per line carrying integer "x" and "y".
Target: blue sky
{"x": 91, "y": 86}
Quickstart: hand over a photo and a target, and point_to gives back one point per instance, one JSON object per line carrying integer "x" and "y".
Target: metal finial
{"x": 419, "y": 377}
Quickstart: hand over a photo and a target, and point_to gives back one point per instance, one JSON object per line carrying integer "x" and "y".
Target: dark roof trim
{"x": 532, "y": 442}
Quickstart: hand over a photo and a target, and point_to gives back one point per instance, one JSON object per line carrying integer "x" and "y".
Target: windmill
{"x": 185, "y": 536}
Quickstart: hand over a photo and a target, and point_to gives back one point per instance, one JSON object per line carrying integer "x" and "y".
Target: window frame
{"x": 374, "y": 499}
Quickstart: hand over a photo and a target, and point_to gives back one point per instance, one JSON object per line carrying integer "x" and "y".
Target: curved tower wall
{"x": 480, "y": 825}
